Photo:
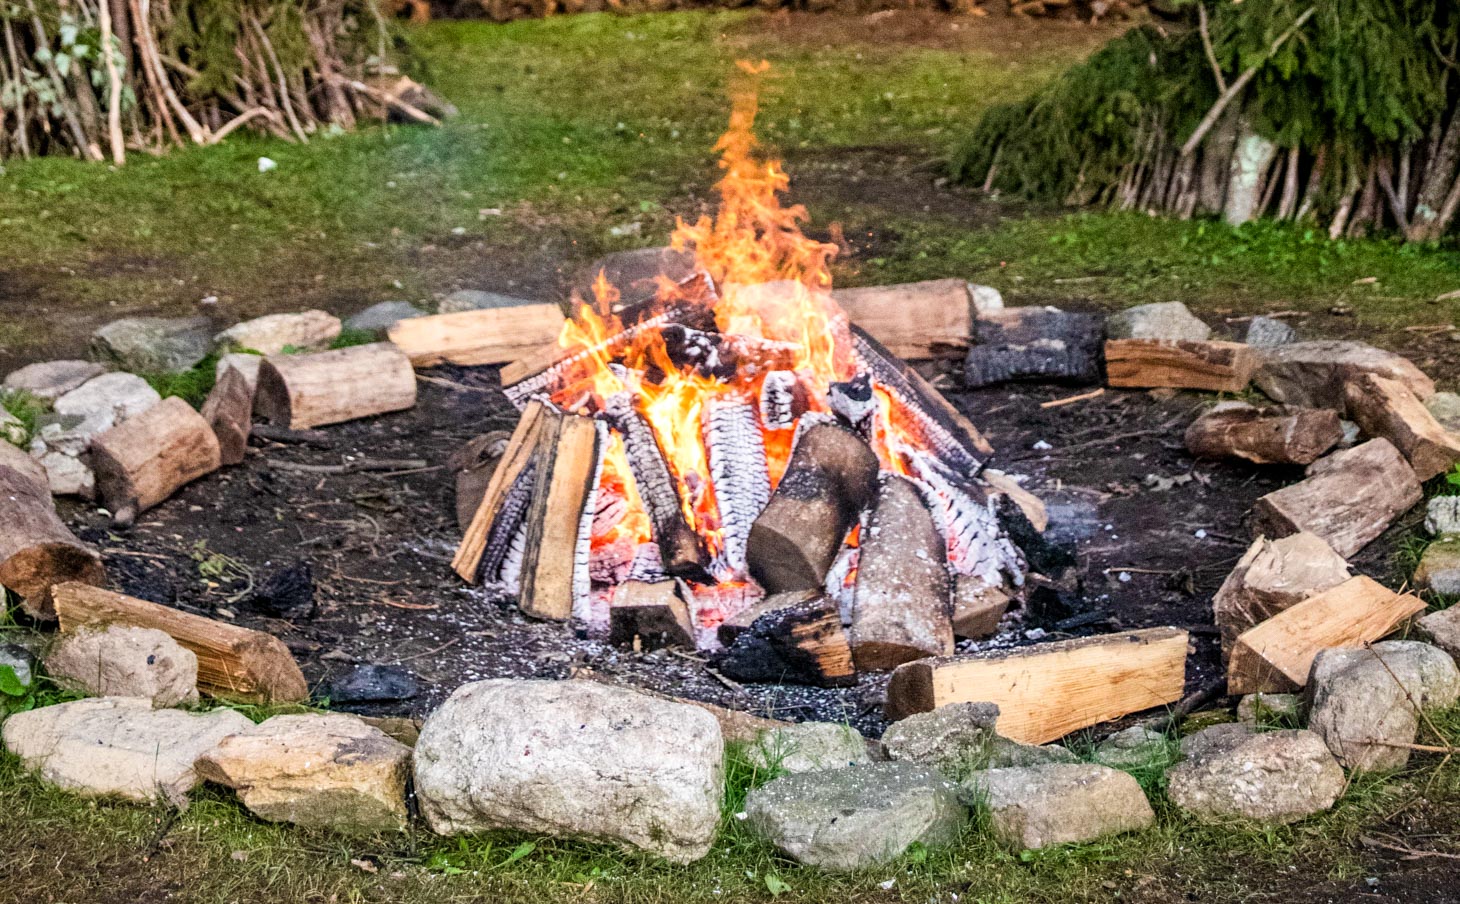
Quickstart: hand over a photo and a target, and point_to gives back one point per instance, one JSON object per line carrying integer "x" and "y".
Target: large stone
{"x": 1445, "y": 407}
{"x": 852, "y": 818}
{"x": 21, "y": 461}
{"x": 109, "y": 399}
{"x": 1439, "y": 566}
{"x": 1064, "y": 803}
{"x": 1214, "y": 738}
{"x": 329, "y": 771}
{"x": 1313, "y": 374}
{"x": 273, "y": 334}
{"x": 380, "y": 317}
{"x": 68, "y": 475}
{"x": 1136, "y": 747}
{"x": 154, "y": 344}
{"x": 1442, "y": 515}
{"x": 809, "y": 747}
{"x": 49, "y": 380}
{"x": 118, "y": 746}
{"x": 1269, "y": 332}
{"x": 1170, "y": 320}
{"x": 959, "y": 738}
{"x": 1442, "y": 629}
{"x": 125, "y": 661}
{"x": 573, "y": 758}
{"x": 477, "y": 300}
{"x": 1271, "y": 777}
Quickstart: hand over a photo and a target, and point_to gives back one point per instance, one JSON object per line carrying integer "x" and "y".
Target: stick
{"x": 1070, "y": 400}
{"x": 353, "y": 467}
{"x": 1206, "y": 44}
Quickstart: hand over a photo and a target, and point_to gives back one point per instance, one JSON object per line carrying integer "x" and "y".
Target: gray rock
{"x": 1269, "y": 332}
{"x": 69, "y": 434}
{"x": 49, "y": 380}
{"x": 847, "y": 819}
{"x": 371, "y": 683}
{"x": 985, "y": 298}
{"x": 1365, "y": 701}
{"x": 1445, "y": 406}
{"x": 380, "y": 317}
{"x": 1272, "y": 777}
{"x": 20, "y": 661}
{"x": 118, "y": 746}
{"x": 1275, "y": 710}
{"x": 1214, "y": 739}
{"x": 1442, "y": 629}
{"x": 1161, "y": 320}
{"x": 108, "y": 399}
{"x": 272, "y": 334}
{"x": 959, "y": 738}
{"x": 809, "y": 747}
{"x": 125, "y": 661}
{"x": 1442, "y": 515}
{"x": 1137, "y": 747}
{"x": 1439, "y": 566}
{"x": 68, "y": 475}
{"x": 12, "y": 429}
{"x": 1035, "y": 807}
{"x": 574, "y": 758}
{"x": 477, "y": 300}
{"x": 154, "y": 344}
{"x": 245, "y": 363}
{"x": 1352, "y": 433}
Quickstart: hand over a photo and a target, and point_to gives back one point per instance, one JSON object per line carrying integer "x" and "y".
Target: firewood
{"x": 735, "y": 448}
{"x": 977, "y": 606}
{"x": 567, "y": 464}
{"x": 302, "y": 391}
{"x": 1264, "y": 435}
{"x": 1271, "y": 577}
{"x": 1044, "y": 692}
{"x": 474, "y": 464}
{"x": 515, "y": 459}
{"x": 650, "y": 611}
{"x": 1275, "y": 656}
{"x": 229, "y": 411}
{"x": 1313, "y": 374}
{"x": 1185, "y": 364}
{"x": 914, "y": 321}
{"x": 799, "y": 643}
{"x": 1034, "y": 344}
{"x": 783, "y": 399}
{"x": 1388, "y": 408}
{"x": 1001, "y": 484}
{"x": 739, "y": 623}
{"x": 234, "y": 663}
{"x": 1348, "y": 498}
{"x": 36, "y": 549}
{"x": 902, "y": 607}
{"x": 682, "y": 549}
{"x": 831, "y": 477}
{"x": 470, "y": 338}
{"x": 148, "y": 457}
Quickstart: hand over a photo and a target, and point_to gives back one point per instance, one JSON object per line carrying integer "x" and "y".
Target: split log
{"x": 1264, "y": 435}
{"x": 556, "y": 546}
{"x": 1314, "y": 374}
{"x": 794, "y": 639}
{"x": 302, "y": 391}
{"x": 831, "y": 477}
{"x": 650, "y": 611}
{"x": 735, "y": 448}
{"x": 1272, "y": 577}
{"x": 915, "y": 321}
{"x": 36, "y": 549}
{"x": 1045, "y": 692}
{"x": 1184, "y": 364}
{"x": 1276, "y": 656}
{"x": 470, "y": 338}
{"x": 1348, "y": 498}
{"x": 234, "y": 663}
{"x": 902, "y": 607}
{"x": 474, "y": 464}
{"x": 515, "y": 460}
{"x": 1388, "y": 408}
{"x": 1034, "y": 344}
{"x": 1001, "y": 484}
{"x": 682, "y": 549}
{"x": 148, "y": 457}
{"x": 229, "y": 411}
{"x": 977, "y": 606}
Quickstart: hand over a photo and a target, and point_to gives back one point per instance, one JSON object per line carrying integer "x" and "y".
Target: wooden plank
{"x": 567, "y": 456}
{"x": 469, "y": 338}
{"x": 1385, "y": 407}
{"x": 1045, "y": 692}
{"x": 915, "y": 321}
{"x": 1275, "y": 656}
{"x": 1187, "y": 364}
{"x": 520, "y": 450}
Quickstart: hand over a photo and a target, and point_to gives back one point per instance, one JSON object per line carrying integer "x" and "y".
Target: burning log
{"x": 229, "y": 411}
{"x": 148, "y": 457}
{"x": 681, "y": 548}
{"x": 36, "y": 549}
{"x": 554, "y": 569}
{"x": 1185, "y": 364}
{"x": 794, "y": 638}
{"x": 913, "y": 320}
{"x": 1385, "y": 407}
{"x": 736, "y": 452}
{"x": 516, "y": 459}
{"x": 1264, "y": 435}
{"x": 650, "y": 611}
{"x": 470, "y": 338}
{"x": 301, "y": 391}
{"x": 902, "y": 606}
{"x": 783, "y": 399}
{"x": 1034, "y": 343}
{"x": 831, "y": 477}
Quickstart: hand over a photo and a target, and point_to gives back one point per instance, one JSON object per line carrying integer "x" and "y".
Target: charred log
{"x": 795, "y": 640}
{"x": 681, "y": 548}
{"x": 736, "y": 451}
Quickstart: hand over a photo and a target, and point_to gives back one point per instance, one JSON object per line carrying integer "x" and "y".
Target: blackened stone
{"x": 287, "y": 593}
{"x": 371, "y": 684}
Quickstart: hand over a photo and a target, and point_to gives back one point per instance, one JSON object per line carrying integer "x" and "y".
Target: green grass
{"x": 24, "y": 407}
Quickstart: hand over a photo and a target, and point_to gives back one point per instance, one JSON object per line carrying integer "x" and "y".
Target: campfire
{"x": 730, "y": 463}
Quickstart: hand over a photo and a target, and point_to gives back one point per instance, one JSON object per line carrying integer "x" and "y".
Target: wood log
{"x": 1034, "y": 344}
{"x": 148, "y": 457}
{"x": 470, "y": 338}
{"x": 36, "y": 549}
{"x": 735, "y": 448}
{"x": 302, "y": 391}
{"x": 1314, "y": 374}
{"x": 234, "y": 663}
{"x": 1348, "y": 498}
{"x": 1276, "y": 655}
{"x": 1264, "y": 435}
{"x": 515, "y": 459}
{"x": 977, "y": 606}
{"x": 567, "y": 462}
{"x": 796, "y": 643}
{"x": 1272, "y": 577}
{"x": 682, "y": 549}
{"x": 652, "y": 612}
{"x": 473, "y": 466}
{"x": 229, "y": 411}
{"x": 914, "y": 321}
{"x": 1185, "y": 364}
{"x": 902, "y": 606}
{"x": 1001, "y": 484}
{"x": 1388, "y": 408}
{"x": 739, "y": 623}
{"x": 831, "y": 477}
{"x": 1045, "y": 692}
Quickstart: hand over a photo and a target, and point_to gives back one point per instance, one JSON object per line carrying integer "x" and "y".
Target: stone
{"x": 19, "y": 459}
{"x": 12, "y": 429}
{"x": 1136, "y": 747}
{"x": 380, "y": 317}
{"x": 809, "y": 747}
{"x": 477, "y": 300}
{"x": 1441, "y": 629}
{"x": 1269, "y": 332}
{"x": 109, "y": 399}
{"x": 1313, "y": 374}
{"x": 118, "y": 746}
{"x": 1270, "y": 710}
{"x": 1034, "y": 807}
{"x": 852, "y": 818}
{"x": 1439, "y": 567}
{"x": 985, "y": 299}
{"x": 326, "y": 771}
{"x": 371, "y": 683}
{"x": 68, "y": 434}
{"x": 243, "y": 362}
{"x": 125, "y": 661}
{"x": 573, "y": 758}
{"x": 1214, "y": 738}
{"x": 150, "y": 345}
{"x": 1445, "y": 407}
{"x": 1442, "y": 515}
{"x": 49, "y": 380}
{"x": 1271, "y": 777}
{"x": 1169, "y": 320}
{"x": 21, "y": 663}
{"x": 961, "y": 737}
{"x": 68, "y": 475}
{"x": 273, "y": 334}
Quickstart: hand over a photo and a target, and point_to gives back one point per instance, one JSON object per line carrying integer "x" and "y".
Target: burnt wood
{"x": 1034, "y": 344}
{"x": 682, "y": 549}
{"x": 792, "y": 641}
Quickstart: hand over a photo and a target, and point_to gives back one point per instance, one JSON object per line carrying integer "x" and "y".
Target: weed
{"x": 26, "y": 409}
{"x": 192, "y": 386}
